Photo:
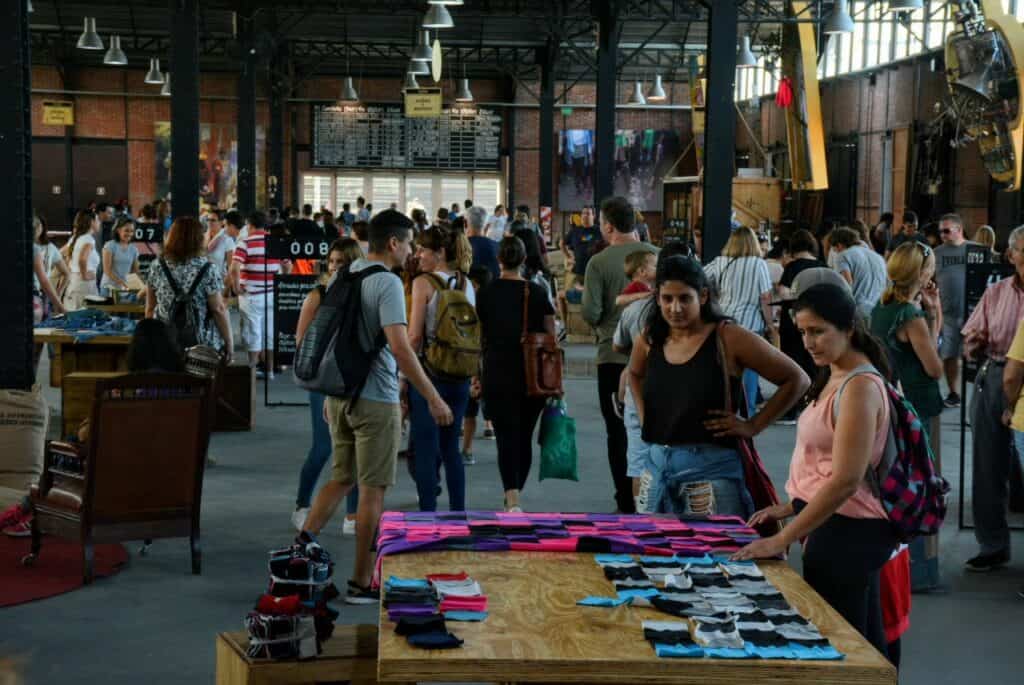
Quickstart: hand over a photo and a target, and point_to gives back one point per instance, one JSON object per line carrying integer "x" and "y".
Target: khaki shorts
{"x": 365, "y": 442}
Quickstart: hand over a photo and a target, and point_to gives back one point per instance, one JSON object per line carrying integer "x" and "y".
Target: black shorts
{"x": 472, "y": 408}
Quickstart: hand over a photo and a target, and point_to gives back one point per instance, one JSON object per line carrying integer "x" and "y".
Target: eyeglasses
{"x": 925, "y": 250}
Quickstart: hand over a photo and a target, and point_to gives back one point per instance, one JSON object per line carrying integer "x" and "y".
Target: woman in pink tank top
{"x": 845, "y": 532}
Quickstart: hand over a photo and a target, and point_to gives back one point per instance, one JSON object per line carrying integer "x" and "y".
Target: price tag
{"x": 298, "y": 248}
{"x": 148, "y": 233}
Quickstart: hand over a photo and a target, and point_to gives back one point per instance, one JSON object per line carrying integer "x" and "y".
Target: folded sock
{"x": 438, "y": 639}
{"x": 464, "y": 604}
{"x": 279, "y": 606}
{"x": 466, "y": 616}
{"x": 447, "y": 576}
{"x": 411, "y": 625}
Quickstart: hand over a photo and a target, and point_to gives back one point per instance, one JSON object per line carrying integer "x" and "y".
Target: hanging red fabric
{"x": 784, "y": 97}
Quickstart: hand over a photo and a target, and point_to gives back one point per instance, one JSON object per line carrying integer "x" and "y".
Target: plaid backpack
{"x": 912, "y": 493}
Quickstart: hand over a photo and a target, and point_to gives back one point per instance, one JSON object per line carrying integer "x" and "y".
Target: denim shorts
{"x": 636, "y": 448}
{"x": 694, "y": 479}
{"x": 1018, "y": 442}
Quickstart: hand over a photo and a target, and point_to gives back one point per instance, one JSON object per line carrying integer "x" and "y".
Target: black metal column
{"x": 185, "y": 107}
{"x": 609, "y": 29}
{"x": 16, "y": 367}
{"x": 275, "y": 139}
{"x": 547, "y": 56}
{"x": 247, "y": 113}
{"x": 720, "y": 134}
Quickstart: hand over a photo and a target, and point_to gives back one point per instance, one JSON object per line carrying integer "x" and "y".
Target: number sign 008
{"x": 299, "y": 248}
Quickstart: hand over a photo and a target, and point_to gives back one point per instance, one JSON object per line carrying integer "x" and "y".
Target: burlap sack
{"x": 23, "y": 421}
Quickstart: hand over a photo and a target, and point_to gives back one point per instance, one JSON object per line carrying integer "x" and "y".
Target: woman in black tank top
{"x": 677, "y": 378}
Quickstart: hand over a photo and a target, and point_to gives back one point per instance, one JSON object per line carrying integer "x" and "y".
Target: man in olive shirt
{"x": 604, "y": 281}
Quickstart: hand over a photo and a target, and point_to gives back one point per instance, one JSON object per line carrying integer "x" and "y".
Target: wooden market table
{"x": 99, "y": 353}
{"x": 535, "y": 631}
{"x": 135, "y": 310}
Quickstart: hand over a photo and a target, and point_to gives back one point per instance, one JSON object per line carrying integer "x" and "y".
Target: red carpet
{"x": 57, "y": 570}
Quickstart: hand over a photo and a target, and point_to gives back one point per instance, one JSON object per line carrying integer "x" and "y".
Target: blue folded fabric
{"x": 705, "y": 560}
{"x": 805, "y": 653}
{"x": 396, "y": 582}
{"x": 602, "y": 601}
{"x": 638, "y": 593}
{"x": 468, "y": 616}
{"x": 728, "y": 653}
{"x": 678, "y": 651}
{"x": 613, "y": 558}
{"x": 771, "y": 652}
{"x": 654, "y": 561}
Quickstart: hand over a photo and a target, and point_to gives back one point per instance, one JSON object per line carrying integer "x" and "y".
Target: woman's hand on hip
{"x": 726, "y": 424}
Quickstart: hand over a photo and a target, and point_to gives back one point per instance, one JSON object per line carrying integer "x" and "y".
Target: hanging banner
{"x": 423, "y": 103}
{"x": 545, "y": 224}
{"x": 58, "y": 113}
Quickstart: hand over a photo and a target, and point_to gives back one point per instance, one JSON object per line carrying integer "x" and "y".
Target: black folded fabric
{"x": 624, "y": 573}
{"x": 438, "y": 639}
{"x": 764, "y": 638}
{"x": 412, "y": 625}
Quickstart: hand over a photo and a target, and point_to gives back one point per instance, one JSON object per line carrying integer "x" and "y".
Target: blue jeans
{"x": 695, "y": 479}
{"x": 1018, "y": 443}
{"x": 439, "y": 445}
{"x": 750, "y": 389}
{"x": 319, "y": 453}
{"x": 636, "y": 448}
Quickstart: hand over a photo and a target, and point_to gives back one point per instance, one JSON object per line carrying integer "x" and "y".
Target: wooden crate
{"x": 77, "y": 394}
{"x": 350, "y": 655}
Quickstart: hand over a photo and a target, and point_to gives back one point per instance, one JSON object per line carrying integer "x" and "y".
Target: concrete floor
{"x": 155, "y": 623}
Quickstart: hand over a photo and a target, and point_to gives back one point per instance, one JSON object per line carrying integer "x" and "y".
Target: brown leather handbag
{"x": 542, "y": 357}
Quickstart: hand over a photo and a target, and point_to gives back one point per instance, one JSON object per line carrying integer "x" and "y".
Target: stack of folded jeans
{"x": 293, "y": 619}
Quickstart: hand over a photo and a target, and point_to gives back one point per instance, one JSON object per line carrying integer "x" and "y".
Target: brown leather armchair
{"x": 139, "y": 475}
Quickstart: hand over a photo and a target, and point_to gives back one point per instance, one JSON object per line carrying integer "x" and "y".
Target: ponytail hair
{"x": 457, "y": 248}
{"x": 81, "y": 226}
{"x": 836, "y": 305}
{"x": 904, "y": 269}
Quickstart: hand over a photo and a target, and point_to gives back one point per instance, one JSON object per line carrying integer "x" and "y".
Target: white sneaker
{"x": 348, "y": 526}
{"x": 299, "y": 518}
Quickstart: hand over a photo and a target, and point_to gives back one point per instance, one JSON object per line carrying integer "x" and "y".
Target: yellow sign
{"x": 58, "y": 113}
{"x": 423, "y": 103}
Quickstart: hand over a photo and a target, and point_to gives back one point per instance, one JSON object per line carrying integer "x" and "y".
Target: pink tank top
{"x": 811, "y": 465}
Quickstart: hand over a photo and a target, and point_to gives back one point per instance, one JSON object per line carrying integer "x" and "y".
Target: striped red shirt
{"x": 257, "y": 271}
{"x": 998, "y": 315}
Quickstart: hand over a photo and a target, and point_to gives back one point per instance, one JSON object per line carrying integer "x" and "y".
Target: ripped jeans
{"x": 698, "y": 479}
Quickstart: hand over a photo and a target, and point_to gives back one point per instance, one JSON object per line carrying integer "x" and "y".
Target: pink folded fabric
{"x": 464, "y": 604}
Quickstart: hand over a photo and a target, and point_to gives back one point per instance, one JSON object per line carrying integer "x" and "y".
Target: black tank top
{"x": 678, "y": 397}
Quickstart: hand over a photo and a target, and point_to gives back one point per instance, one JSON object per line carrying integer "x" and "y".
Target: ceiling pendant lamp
{"x": 348, "y": 93}
{"x": 115, "y": 56}
{"x": 418, "y": 68}
{"x": 450, "y": 3}
{"x": 438, "y": 17}
{"x": 637, "y": 98}
{"x": 840, "y": 20}
{"x": 657, "y": 93}
{"x": 89, "y": 40}
{"x": 166, "y": 90}
{"x": 422, "y": 52}
{"x": 30, "y": 8}
{"x": 410, "y": 82}
{"x": 745, "y": 56}
{"x": 905, "y": 5}
{"x": 464, "y": 94}
{"x": 155, "y": 77}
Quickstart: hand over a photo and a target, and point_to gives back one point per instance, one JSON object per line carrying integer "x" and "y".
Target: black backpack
{"x": 331, "y": 359}
{"x": 184, "y": 317}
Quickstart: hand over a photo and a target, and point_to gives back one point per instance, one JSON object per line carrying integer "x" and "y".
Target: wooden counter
{"x": 535, "y": 632}
{"x": 132, "y": 309}
{"x": 100, "y": 353}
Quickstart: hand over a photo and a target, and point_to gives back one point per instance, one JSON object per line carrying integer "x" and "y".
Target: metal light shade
{"x": 840, "y": 20}
{"x": 166, "y": 90}
{"x": 744, "y": 56}
{"x": 657, "y": 93}
{"x": 438, "y": 17}
{"x": 637, "y": 98}
{"x": 115, "y": 56}
{"x": 419, "y": 68}
{"x": 30, "y": 8}
{"x": 905, "y": 5}
{"x": 348, "y": 93}
{"x": 90, "y": 40}
{"x": 464, "y": 94}
{"x": 154, "y": 77}
{"x": 450, "y": 3}
{"x": 423, "y": 52}
{"x": 410, "y": 82}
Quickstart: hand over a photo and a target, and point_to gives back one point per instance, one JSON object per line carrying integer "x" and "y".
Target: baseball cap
{"x": 819, "y": 275}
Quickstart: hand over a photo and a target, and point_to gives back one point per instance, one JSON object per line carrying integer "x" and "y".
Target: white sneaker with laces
{"x": 299, "y": 518}
{"x": 348, "y": 526}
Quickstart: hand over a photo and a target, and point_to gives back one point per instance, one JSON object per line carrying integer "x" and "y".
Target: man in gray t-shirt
{"x": 951, "y": 277}
{"x": 366, "y": 433}
{"x": 862, "y": 267}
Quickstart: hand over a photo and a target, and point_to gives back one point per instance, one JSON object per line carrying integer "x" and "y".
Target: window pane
{"x": 316, "y": 190}
{"x": 454, "y": 189}
{"x": 385, "y": 192}
{"x": 872, "y": 56}
{"x": 858, "y": 41}
{"x": 886, "y": 43}
{"x": 419, "y": 194}
{"x": 348, "y": 188}
{"x": 486, "y": 192}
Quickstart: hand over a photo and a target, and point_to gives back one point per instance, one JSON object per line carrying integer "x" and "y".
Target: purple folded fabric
{"x": 397, "y": 611}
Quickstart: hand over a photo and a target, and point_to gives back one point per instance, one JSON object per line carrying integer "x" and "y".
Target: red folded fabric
{"x": 464, "y": 604}
{"x": 448, "y": 576}
{"x": 279, "y": 606}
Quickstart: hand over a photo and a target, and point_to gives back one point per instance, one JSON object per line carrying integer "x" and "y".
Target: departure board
{"x": 381, "y": 137}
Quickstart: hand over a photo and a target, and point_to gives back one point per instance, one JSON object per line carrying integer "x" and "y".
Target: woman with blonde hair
{"x": 84, "y": 260}
{"x": 907, "y": 322}
{"x": 987, "y": 237}
{"x": 744, "y": 285}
